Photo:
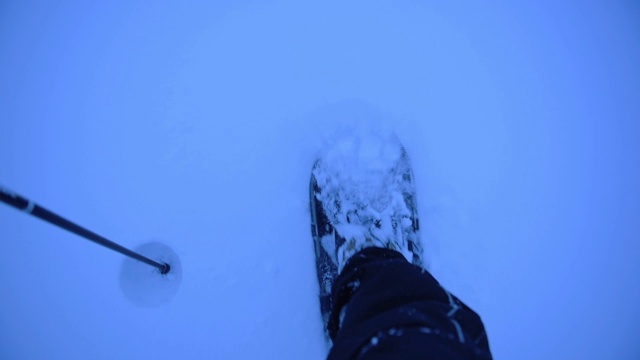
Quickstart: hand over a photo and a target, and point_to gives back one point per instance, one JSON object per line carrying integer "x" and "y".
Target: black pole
{"x": 28, "y": 206}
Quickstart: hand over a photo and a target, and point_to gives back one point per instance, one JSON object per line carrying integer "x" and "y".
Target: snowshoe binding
{"x": 362, "y": 194}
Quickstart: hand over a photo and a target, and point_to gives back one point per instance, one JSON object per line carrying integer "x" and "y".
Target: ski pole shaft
{"x": 28, "y": 206}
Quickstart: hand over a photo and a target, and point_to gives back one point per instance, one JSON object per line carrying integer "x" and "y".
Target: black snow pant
{"x": 386, "y": 308}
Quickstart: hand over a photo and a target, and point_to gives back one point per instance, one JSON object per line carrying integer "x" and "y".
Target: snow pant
{"x": 386, "y": 308}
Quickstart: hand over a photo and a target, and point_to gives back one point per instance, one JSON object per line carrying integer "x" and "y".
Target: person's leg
{"x": 386, "y": 308}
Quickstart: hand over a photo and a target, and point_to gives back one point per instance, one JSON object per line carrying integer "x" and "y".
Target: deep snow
{"x": 196, "y": 126}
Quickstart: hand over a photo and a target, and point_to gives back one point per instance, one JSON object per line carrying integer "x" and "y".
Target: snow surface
{"x": 196, "y": 125}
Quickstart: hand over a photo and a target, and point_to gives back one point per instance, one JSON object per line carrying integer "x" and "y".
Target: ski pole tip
{"x": 165, "y": 269}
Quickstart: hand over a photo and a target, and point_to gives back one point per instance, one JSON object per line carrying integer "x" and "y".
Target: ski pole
{"x": 10, "y": 198}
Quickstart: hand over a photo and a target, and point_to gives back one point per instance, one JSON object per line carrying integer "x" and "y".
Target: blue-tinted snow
{"x": 196, "y": 125}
